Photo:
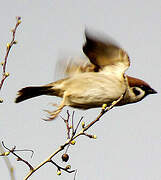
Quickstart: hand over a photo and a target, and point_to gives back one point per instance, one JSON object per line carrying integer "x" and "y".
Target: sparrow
{"x": 90, "y": 84}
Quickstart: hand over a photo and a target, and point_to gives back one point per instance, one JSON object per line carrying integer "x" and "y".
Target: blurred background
{"x": 128, "y": 146}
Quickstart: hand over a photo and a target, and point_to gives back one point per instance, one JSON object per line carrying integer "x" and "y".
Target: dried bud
{"x": 83, "y": 124}
{"x": 65, "y": 157}
{"x": 58, "y": 172}
{"x": 73, "y": 142}
{"x": 104, "y": 106}
{"x": 18, "y": 18}
{"x": 1, "y": 100}
{"x": 68, "y": 167}
{"x": 7, "y": 74}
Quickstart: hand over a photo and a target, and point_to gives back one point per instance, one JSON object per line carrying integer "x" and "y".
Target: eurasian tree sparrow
{"x": 100, "y": 81}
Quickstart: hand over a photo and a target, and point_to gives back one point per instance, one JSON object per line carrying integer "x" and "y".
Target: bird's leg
{"x": 56, "y": 105}
{"x": 53, "y": 114}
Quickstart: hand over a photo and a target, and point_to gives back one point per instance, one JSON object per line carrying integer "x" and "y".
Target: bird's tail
{"x": 30, "y": 92}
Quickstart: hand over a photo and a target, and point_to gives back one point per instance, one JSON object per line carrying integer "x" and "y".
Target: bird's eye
{"x": 136, "y": 92}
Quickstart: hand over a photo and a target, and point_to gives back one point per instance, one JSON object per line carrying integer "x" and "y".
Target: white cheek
{"x": 133, "y": 98}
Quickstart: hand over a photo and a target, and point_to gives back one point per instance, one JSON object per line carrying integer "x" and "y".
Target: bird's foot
{"x": 53, "y": 114}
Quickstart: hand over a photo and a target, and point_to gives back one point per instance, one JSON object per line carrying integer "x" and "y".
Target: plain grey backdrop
{"x": 128, "y": 146}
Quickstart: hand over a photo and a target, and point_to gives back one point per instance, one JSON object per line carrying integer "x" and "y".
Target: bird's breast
{"x": 93, "y": 89}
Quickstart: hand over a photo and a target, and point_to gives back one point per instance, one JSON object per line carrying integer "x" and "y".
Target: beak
{"x": 152, "y": 91}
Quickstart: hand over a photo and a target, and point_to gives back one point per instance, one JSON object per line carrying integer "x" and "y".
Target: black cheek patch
{"x": 136, "y": 92}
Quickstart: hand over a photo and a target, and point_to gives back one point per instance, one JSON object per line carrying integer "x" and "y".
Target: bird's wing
{"x": 105, "y": 54}
{"x": 79, "y": 66}
{"x": 71, "y": 66}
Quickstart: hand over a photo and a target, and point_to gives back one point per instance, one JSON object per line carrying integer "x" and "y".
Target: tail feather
{"x": 30, "y": 92}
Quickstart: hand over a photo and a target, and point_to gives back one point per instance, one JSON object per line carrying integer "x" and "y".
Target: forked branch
{"x": 71, "y": 136}
{"x": 4, "y": 76}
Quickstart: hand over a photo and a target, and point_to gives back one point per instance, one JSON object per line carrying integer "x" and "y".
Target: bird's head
{"x": 139, "y": 88}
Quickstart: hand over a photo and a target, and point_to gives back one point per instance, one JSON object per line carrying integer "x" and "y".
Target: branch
{"x": 71, "y": 140}
{"x": 18, "y": 157}
{"x": 104, "y": 110}
{"x": 71, "y": 136}
{"x": 67, "y": 124}
{"x": 9, "y": 46}
{"x": 49, "y": 159}
{"x": 4, "y": 76}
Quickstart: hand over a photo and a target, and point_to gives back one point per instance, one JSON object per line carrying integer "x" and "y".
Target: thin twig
{"x": 61, "y": 168}
{"x": 46, "y": 161}
{"x": 73, "y": 122}
{"x": 9, "y": 46}
{"x": 75, "y": 174}
{"x": 78, "y": 125}
{"x": 67, "y": 124}
{"x": 18, "y": 157}
{"x": 21, "y": 150}
{"x": 67, "y": 148}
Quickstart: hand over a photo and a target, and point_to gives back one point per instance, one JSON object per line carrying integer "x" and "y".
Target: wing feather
{"x": 105, "y": 53}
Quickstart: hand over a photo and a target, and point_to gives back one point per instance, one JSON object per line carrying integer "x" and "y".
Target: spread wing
{"x": 105, "y": 54}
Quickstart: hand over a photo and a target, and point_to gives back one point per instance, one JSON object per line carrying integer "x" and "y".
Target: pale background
{"x": 128, "y": 146}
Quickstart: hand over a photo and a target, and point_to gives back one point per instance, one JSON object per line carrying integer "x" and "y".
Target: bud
{"x": 58, "y": 172}
{"x": 68, "y": 167}
{"x": 6, "y": 153}
{"x": 83, "y": 124}
{"x": 65, "y": 157}
{"x": 7, "y": 74}
{"x": 2, "y": 63}
{"x": 8, "y": 45}
{"x": 73, "y": 142}
{"x": 104, "y": 106}
{"x": 1, "y": 100}
{"x": 94, "y": 137}
{"x": 19, "y": 21}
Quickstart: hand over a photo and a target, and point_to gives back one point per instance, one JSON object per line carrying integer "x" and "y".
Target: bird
{"x": 101, "y": 79}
